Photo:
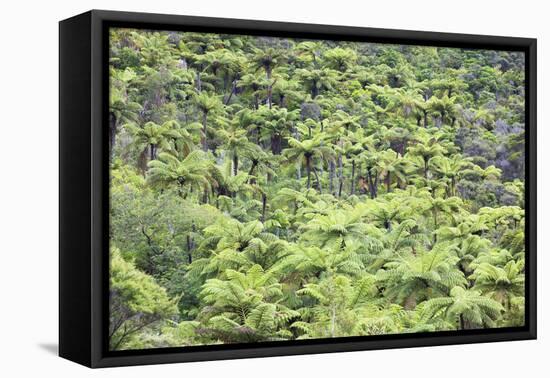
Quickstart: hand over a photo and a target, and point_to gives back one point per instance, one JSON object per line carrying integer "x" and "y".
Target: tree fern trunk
{"x": 352, "y": 181}
{"x": 308, "y": 170}
{"x": 318, "y": 180}
{"x": 436, "y": 224}
{"x": 180, "y": 189}
{"x": 453, "y": 185}
{"x": 233, "y": 88}
{"x": 340, "y": 172}
{"x": 142, "y": 162}
{"x": 112, "y": 134}
{"x": 425, "y": 119}
{"x": 204, "y": 130}
{"x": 314, "y": 90}
{"x": 264, "y": 206}
{"x": 235, "y": 164}
{"x": 199, "y": 82}
{"x": 251, "y": 171}
{"x": 372, "y": 184}
{"x": 189, "y": 249}
{"x": 276, "y": 142}
{"x": 269, "y": 87}
{"x": 331, "y": 177}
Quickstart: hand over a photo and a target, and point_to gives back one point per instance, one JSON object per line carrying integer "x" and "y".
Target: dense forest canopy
{"x": 268, "y": 189}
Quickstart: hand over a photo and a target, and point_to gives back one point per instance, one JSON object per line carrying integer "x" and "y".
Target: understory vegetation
{"x": 268, "y": 189}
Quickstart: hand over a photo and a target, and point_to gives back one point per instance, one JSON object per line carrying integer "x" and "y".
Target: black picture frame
{"x": 83, "y": 193}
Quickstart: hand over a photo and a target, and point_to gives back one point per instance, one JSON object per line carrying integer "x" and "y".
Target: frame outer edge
{"x": 74, "y": 143}
{"x": 99, "y": 267}
{"x": 98, "y": 355}
{"x": 532, "y": 182}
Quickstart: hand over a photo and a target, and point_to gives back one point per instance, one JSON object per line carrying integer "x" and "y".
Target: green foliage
{"x": 192, "y": 172}
{"x": 270, "y": 189}
{"x": 136, "y": 302}
{"x": 463, "y": 309}
{"x": 245, "y": 307}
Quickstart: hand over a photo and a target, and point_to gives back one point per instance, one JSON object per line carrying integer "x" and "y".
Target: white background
{"x": 29, "y": 188}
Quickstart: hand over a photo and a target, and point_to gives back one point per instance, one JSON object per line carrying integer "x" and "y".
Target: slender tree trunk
{"x": 269, "y": 87}
{"x": 373, "y": 184}
{"x": 251, "y": 171}
{"x": 296, "y": 136}
{"x": 199, "y": 82}
{"x": 356, "y": 184}
{"x": 340, "y": 172}
{"x": 308, "y": 170}
{"x": 255, "y": 135}
{"x": 314, "y": 90}
{"x": 189, "y": 249}
{"x": 331, "y": 176}
{"x": 233, "y": 88}
{"x": 264, "y": 206}
{"x": 282, "y": 101}
{"x": 235, "y": 164}
{"x": 180, "y": 188}
{"x": 388, "y": 182}
{"x": 225, "y": 81}
{"x": 453, "y": 186}
{"x": 276, "y": 144}
{"x": 369, "y": 183}
{"x": 425, "y": 118}
{"x": 204, "y": 130}
{"x": 352, "y": 182}
{"x": 112, "y": 134}
{"x": 153, "y": 152}
{"x": 318, "y": 180}
{"x": 193, "y": 229}
{"x": 462, "y": 322}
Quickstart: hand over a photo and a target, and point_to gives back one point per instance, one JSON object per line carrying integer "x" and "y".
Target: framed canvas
{"x": 234, "y": 188}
